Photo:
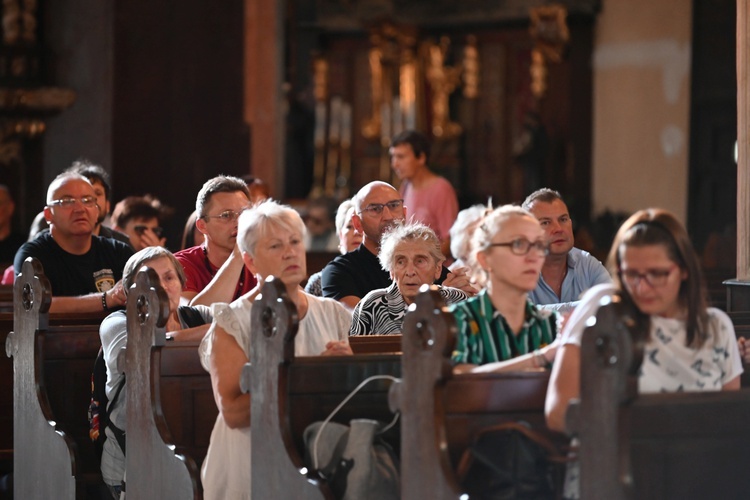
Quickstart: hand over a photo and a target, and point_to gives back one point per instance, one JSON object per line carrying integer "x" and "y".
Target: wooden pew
{"x": 441, "y": 413}
{"x": 154, "y": 470}
{"x": 289, "y": 393}
{"x": 661, "y": 446}
{"x": 64, "y": 357}
{"x": 45, "y": 447}
{"x": 375, "y": 344}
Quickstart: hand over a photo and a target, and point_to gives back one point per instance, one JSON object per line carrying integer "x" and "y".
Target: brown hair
{"x": 655, "y": 226}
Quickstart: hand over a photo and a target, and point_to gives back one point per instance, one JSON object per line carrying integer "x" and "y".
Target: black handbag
{"x": 511, "y": 461}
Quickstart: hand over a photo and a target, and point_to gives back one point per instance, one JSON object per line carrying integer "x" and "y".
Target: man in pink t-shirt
{"x": 429, "y": 197}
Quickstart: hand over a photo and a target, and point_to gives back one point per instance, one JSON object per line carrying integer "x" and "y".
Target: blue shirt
{"x": 584, "y": 271}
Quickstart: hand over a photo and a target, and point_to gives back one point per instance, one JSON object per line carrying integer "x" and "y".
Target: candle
{"x": 346, "y": 125}
{"x": 335, "y": 126}
{"x": 320, "y": 124}
{"x": 385, "y": 124}
{"x": 398, "y": 124}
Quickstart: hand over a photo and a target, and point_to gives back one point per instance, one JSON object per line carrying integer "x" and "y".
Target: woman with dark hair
{"x": 689, "y": 346}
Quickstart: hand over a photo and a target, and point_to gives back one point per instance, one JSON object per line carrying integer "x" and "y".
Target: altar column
{"x": 264, "y": 99}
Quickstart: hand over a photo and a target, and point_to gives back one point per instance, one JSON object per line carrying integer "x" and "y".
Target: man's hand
{"x": 116, "y": 296}
{"x": 458, "y": 278}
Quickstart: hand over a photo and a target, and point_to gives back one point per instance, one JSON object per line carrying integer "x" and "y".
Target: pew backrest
{"x": 154, "y": 470}
{"x": 682, "y": 445}
{"x": 47, "y": 452}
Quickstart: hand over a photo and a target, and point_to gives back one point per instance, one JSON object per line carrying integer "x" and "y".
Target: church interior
{"x": 617, "y": 104}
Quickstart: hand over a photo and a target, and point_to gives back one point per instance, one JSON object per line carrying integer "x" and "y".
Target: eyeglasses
{"x": 142, "y": 229}
{"x": 225, "y": 216}
{"x": 521, "y": 246}
{"x": 654, "y": 277}
{"x": 375, "y": 209}
{"x": 69, "y": 202}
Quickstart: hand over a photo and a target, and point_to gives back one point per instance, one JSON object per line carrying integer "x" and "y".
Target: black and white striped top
{"x": 381, "y": 311}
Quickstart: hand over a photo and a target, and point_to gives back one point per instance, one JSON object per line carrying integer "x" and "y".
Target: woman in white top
{"x": 690, "y": 347}
{"x": 270, "y": 238}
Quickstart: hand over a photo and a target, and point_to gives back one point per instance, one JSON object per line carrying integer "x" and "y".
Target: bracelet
{"x": 540, "y": 360}
{"x": 105, "y": 307}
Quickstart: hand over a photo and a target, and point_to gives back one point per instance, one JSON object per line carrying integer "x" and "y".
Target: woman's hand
{"x": 458, "y": 278}
{"x": 337, "y": 348}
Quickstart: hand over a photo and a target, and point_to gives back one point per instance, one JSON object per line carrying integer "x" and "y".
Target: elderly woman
{"x": 500, "y": 329}
{"x": 270, "y": 238}
{"x": 462, "y": 233}
{"x": 411, "y": 254}
{"x": 184, "y": 323}
{"x": 349, "y": 239}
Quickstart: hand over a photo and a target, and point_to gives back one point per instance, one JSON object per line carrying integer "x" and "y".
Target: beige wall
{"x": 641, "y": 105}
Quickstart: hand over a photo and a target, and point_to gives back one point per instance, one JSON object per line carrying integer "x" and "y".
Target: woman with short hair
{"x": 411, "y": 254}
{"x": 270, "y": 239}
{"x": 349, "y": 239}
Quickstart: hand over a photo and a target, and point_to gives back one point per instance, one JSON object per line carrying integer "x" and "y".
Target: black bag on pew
{"x": 511, "y": 461}
{"x": 355, "y": 462}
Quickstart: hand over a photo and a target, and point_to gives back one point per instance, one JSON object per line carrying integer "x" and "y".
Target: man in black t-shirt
{"x": 84, "y": 270}
{"x": 349, "y": 277}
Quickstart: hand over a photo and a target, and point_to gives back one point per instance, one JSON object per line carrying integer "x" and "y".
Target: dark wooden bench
{"x": 50, "y": 376}
{"x": 442, "y": 413}
{"x": 289, "y": 393}
{"x": 154, "y": 469}
{"x": 375, "y": 344}
{"x": 660, "y": 446}
{"x": 59, "y": 359}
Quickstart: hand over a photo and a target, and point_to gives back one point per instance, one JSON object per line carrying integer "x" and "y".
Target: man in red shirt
{"x": 214, "y": 270}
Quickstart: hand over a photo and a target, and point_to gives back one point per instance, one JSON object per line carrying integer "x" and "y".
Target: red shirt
{"x": 199, "y": 272}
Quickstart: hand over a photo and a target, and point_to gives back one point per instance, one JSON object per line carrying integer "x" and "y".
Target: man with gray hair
{"x": 84, "y": 270}
{"x": 214, "y": 270}
{"x": 567, "y": 271}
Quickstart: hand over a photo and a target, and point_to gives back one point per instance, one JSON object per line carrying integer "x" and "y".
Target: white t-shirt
{"x": 226, "y": 470}
{"x": 668, "y": 364}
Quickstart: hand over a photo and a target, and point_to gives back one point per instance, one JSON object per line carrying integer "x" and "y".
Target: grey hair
{"x": 62, "y": 179}
{"x": 341, "y": 218}
{"x": 463, "y": 229}
{"x": 256, "y": 221}
{"x": 141, "y": 257}
{"x": 493, "y": 223}
{"x": 545, "y": 195}
{"x": 410, "y": 232}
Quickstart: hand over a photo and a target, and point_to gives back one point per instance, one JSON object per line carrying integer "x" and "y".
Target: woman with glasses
{"x": 689, "y": 346}
{"x": 499, "y": 329}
